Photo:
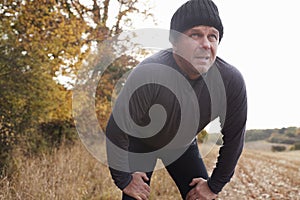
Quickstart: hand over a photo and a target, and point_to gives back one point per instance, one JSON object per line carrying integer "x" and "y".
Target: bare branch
{"x": 105, "y": 12}
{"x": 80, "y": 9}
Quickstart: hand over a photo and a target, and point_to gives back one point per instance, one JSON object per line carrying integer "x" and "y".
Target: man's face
{"x": 198, "y": 46}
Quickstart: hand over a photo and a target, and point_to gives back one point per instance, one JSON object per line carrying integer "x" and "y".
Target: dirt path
{"x": 265, "y": 175}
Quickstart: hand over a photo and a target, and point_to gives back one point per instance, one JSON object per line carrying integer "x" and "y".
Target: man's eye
{"x": 195, "y": 35}
{"x": 213, "y": 38}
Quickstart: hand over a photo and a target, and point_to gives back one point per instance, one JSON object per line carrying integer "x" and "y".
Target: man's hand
{"x": 137, "y": 188}
{"x": 201, "y": 191}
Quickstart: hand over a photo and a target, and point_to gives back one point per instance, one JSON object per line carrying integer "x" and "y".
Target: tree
{"x": 96, "y": 13}
{"x": 29, "y": 56}
{"x": 42, "y": 44}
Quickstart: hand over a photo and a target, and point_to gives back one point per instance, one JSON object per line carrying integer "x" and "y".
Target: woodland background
{"x": 43, "y": 45}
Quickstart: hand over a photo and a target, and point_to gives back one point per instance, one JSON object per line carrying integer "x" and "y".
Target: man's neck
{"x": 185, "y": 66}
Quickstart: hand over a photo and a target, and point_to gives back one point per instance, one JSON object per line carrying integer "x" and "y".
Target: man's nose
{"x": 204, "y": 43}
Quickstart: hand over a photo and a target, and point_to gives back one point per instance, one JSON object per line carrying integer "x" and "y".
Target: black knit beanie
{"x": 194, "y": 13}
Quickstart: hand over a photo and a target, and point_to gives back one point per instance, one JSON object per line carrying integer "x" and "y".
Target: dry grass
{"x": 66, "y": 174}
{"x": 74, "y": 174}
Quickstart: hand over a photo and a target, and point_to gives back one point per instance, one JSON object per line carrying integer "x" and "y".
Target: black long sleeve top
{"x": 221, "y": 92}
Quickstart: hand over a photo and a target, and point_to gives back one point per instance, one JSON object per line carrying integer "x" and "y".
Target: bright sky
{"x": 261, "y": 39}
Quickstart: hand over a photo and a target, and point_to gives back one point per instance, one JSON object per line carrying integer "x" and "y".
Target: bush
{"x": 290, "y": 135}
{"x": 275, "y": 138}
{"x": 255, "y": 135}
{"x": 277, "y": 148}
{"x": 34, "y": 141}
{"x": 48, "y": 136}
{"x": 7, "y": 142}
{"x": 56, "y": 133}
{"x": 296, "y": 146}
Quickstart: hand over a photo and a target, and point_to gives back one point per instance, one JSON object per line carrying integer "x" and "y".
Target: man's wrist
{"x": 210, "y": 186}
{"x": 121, "y": 179}
{"x": 126, "y": 182}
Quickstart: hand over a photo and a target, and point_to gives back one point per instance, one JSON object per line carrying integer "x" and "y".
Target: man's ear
{"x": 175, "y": 46}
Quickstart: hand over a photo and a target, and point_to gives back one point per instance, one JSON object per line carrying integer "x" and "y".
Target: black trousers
{"x": 190, "y": 165}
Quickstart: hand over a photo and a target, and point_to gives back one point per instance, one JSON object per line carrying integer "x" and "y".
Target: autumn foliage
{"x": 42, "y": 47}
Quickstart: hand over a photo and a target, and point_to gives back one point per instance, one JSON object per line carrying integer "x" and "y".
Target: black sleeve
{"x": 117, "y": 137}
{"x": 233, "y": 130}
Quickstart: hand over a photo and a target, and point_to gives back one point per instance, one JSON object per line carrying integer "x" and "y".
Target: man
{"x": 138, "y": 129}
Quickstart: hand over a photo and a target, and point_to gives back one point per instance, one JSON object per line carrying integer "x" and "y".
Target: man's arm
{"x": 115, "y": 136}
{"x": 233, "y": 132}
{"x": 131, "y": 110}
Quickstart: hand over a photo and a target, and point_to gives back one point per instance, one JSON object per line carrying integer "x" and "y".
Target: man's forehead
{"x": 202, "y": 28}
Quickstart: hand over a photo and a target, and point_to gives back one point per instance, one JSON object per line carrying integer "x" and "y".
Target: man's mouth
{"x": 204, "y": 58}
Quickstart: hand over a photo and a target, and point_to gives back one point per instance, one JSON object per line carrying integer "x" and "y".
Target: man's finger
{"x": 144, "y": 196}
{"x": 145, "y": 177}
{"x": 194, "y": 181}
{"x": 190, "y": 193}
{"x": 147, "y": 187}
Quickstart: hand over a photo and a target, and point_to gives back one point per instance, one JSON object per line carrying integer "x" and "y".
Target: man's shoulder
{"x": 228, "y": 71}
{"x": 162, "y": 57}
{"x": 225, "y": 67}
{"x": 155, "y": 67}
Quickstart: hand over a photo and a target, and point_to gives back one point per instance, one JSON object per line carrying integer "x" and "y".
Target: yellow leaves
{"x": 7, "y": 136}
{"x": 202, "y": 136}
